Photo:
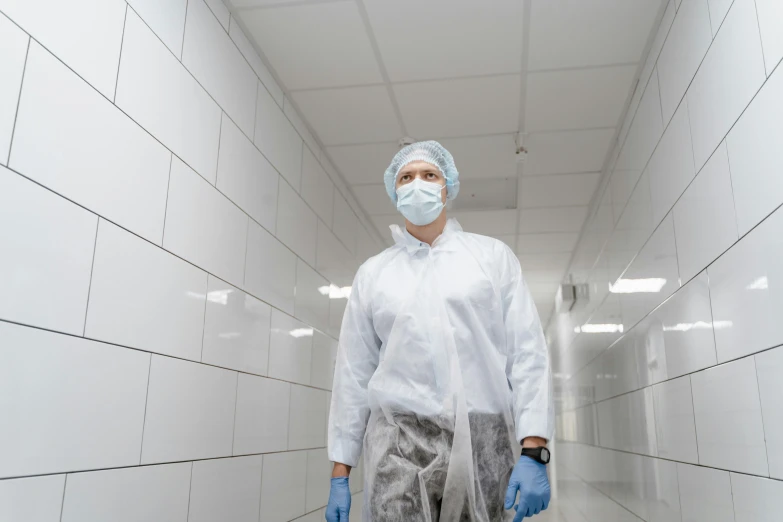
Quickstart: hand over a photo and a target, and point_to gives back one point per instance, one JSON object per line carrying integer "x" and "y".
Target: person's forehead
{"x": 419, "y": 165}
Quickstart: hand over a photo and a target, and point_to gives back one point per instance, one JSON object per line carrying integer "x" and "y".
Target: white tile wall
{"x": 190, "y": 411}
{"x": 755, "y": 158}
{"x": 13, "y": 53}
{"x": 142, "y": 206}
{"x": 262, "y": 411}
{"x": 246, "y": 177}
{"x": 714, "y": 102}
{"x": 226, "y": 489}
{"x": 144, "y": 297}
{"x": 284, "y": 479}
{"x": 674, "y": 422}
{"x": 770, "y": 15}
{"x": 90, "y": 45}
{"x": 95, "y": 155}
{"x": 162, "y": 96}
{"x": 705, "y": 494}
{"x": 768, "y": 367}
{"x": 737, "y": 445}
{"x": 756, "y": 499}
{"x": 50, "y": 243}
{"x": 215, "y": 61}
{"x": 73, "y": 404}
{"x": 270, "y": 269}
{"x": 203, "y": 226}
{"x": 126, "y": 495}
{"x": 704, "y": 221}
{"x": 236, "y": 329}
{"x": 36, "y": 499}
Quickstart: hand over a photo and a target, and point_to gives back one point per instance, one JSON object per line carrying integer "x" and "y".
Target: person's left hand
{"x": 529, "y": 478}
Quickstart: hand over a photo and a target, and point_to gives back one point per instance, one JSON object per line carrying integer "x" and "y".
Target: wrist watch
{"x": 540, "y": 454}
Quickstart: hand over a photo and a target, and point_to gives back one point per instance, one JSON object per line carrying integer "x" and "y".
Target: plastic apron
{"x": 420, "y": 370}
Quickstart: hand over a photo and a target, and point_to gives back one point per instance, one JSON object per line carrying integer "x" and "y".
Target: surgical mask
{"x": 420, "y": 201}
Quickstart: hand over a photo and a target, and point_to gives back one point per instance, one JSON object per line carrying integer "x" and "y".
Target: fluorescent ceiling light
{"x": 599, "y": 328}
{"x": 301, "y": 332}
{"x": 638, "y": 286}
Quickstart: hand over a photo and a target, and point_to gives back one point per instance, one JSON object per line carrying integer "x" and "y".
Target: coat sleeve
{"x": 357, "y": 358}
{"x": 527, "y": 364}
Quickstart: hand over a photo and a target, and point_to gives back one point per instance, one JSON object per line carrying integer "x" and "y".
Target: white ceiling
{"x": 364, "y": 73}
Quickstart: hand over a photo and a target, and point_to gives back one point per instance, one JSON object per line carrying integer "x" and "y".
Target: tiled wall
{"x": 669, "y": 379}
{"x": 169, "y": 234}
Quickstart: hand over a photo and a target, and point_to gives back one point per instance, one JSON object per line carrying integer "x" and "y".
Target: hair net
{"x": 431, "y": 152}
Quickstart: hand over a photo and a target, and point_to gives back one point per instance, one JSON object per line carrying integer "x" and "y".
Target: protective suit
{"x": 441, "y": 369}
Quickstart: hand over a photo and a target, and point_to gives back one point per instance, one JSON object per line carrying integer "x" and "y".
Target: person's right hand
{"x": 339, "y": 505}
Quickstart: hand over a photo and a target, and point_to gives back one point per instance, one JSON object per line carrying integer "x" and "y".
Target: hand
{"x": 339, "y": 505}
{"x": 529, "y": 478}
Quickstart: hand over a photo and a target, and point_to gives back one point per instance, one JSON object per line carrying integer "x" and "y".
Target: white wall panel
{"x": 284, "y": 480}
{"x": 278, "y": 139}
{"x": 769, "y": 366}
{"x": 270, "y": 269}
{"x": 770, "y": 13}
{"x": 756, "y": 499}
{"x": 297, "y": 225}
{"x": 317, "y": 188}
{"x": 674, "y": 423}
{"x": 49, "y": 244}
{"x": 261, "y": 424}
{"x": 95, "y": 155}
{"x": 226, "y": 489}
{"x": 13, "y": 53}
{"x": 162, "y": 96}
{"x": 36, "y": 499}
{"x": 144, "y": 297}
{"x": 307, "y": 422}
{"x": 166, "y": 18}
{"x": 312, "y": 297}
{"x": 705, "y": 494}
{"x": 290, "y": 350}
{"x": 190, "y": 411}
{"x": 247, "y": 50}
{"x": 83, "y": 401}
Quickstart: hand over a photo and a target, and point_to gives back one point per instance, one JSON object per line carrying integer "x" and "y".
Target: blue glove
{"x": 529, "y": 478}
{"x": 339, "y": 501}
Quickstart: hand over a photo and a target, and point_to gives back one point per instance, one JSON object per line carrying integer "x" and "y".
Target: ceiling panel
{"x": 490, "y": 223}
{"x": 352, "y": 115}
{"x": 382, "y": 223}
{"x": 546, "y": 243}
{"x": 315, "y": 45}
{"x": 575, "y": 33}
{"x": 577, "y": 99}
{"x": 483, "y": 156}
{"x": 363, "y": 163}
{"x": 544, "y": 276}
{"x": 533, "y": 262}
{"x": 454, "y": 38}
{"x": 464, "y": 107}
{"x": 558, "y": 190}
{"x": 552, "y": 219}
{"x": 567, "y": 151}
{"x": 374, "y": 199}
{"x": 486, "y": 194}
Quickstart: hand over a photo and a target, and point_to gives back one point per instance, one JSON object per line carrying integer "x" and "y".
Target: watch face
{"x": 545, "y": 455}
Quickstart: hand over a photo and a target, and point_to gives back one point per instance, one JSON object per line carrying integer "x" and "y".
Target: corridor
{"x": 189, "y": 187}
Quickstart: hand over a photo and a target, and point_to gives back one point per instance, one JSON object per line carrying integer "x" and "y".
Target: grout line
{"x": 761, "y": 40}
{"x": 184, "y": 28}
{"x": 217, "y": 156}
{"x": 18, "y": 101}
{"x": 62, "y": 502}
{"x": 204, "y": 318}
{"x": 92, "y": 274}
{"x": 166, "y": 207}
{"x": 190, "y": 491}
{"x": 146, "y": 401}
{"x": 761, "y": 411}
{"x": 119, "y": 58}
{"x": 712, "y": 316}
{"x": 234, "y": 422}
{"x": 693, "y": 409}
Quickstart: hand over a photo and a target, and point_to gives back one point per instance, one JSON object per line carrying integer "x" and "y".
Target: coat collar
{"x": 404, "y": 238}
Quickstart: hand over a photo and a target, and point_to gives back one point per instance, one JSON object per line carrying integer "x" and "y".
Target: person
{"x": 442, "y": 368}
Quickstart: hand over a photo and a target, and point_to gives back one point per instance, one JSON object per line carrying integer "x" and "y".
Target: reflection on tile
{"x": 190, "y": 411}
{"x": 313, "y": 294}
{"x": 128, "y": 495}
{"x": 270, "y": 269}
{"x": 83, "y": 400}
{"x": 142, "y": 296}
{"x": 663, "y": 500}
{"x": 226, "y": 489}
{"x": 236, "y": 329}
{"x": 284, "y": 479}
{"x": 627, "y": 423}
{"x": 747, "y": 293}
{"x": 36, "y": 499}
{"x": 290, "y": 349}
{"x": 705, "y": 494}
{"x": 674, "y": 422}
{"x": 728, "y": 417}
{"x": 261, "y": 423}
{"x": 756, "y": 499}
{"x": 769, "y": 366}
{"x": 49, "y": 245}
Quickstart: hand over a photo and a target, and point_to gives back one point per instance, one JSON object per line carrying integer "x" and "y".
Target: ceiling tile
{"x": 455, "y": 39}
{"x": 533, "y": 262}
{"x": 351, "y": 115}
{"x": 486, "y": 194}
{"x": 577, "y": 99}
{"x": 374, "y": 199}
{"x": 314, "y": 45}
{"x": 557, "y": 190}
{"x": 544, "y": 276}
{"x": 382, "y": 223}
{"x": 553, "y": 219}
{"x": 546, "y": 243}
{"x": 567, "y": 151}
{"x": 363, "y": 163}
{"x": 487, "y": 222}
{"x": 464, "y": 107}
{"x": 483, "y": 156}
{"x": 575, "y": 33}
